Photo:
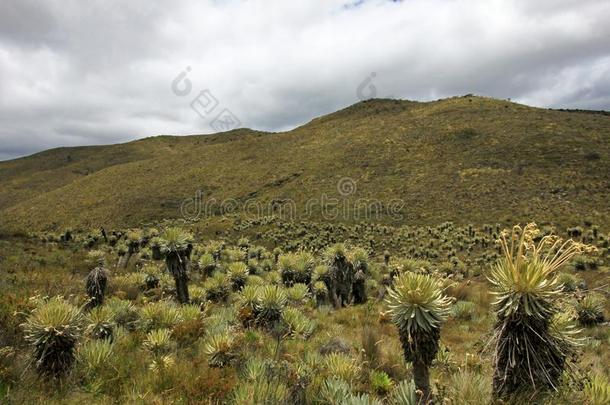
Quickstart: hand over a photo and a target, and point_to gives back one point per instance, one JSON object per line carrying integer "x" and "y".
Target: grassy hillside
{"x": 466, "y": 159}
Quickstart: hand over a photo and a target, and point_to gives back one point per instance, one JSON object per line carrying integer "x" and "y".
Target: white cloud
{"x": 74, "y": 73}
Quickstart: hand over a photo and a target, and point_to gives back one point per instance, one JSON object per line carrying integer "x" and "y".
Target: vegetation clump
{"x": 418, "y": 308}
{"x": 528, "y": 356}
{"x": 176, "y": 247}
{"x": 53, "y": 330}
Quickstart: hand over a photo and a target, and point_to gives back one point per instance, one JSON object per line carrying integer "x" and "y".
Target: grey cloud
{"x": 81, "y": 73}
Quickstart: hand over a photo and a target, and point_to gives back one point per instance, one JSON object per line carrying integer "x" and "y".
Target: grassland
{"x": 369, "y": 353}
{"x": 462, "y": 169}
{"x": 464, "y": 159}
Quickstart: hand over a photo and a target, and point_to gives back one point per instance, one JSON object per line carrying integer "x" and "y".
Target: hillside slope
{"x": 465, "y": 159}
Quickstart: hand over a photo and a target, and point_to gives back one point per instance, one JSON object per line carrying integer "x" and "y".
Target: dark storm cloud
{"x": 82, "y": 73}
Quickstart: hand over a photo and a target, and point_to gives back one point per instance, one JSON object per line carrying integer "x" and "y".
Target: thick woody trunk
{"x": 131, "y": 249}
{"x": 177, "y": 264}
{"x": 182, "y": 290}
{"x": 421, "y": 377}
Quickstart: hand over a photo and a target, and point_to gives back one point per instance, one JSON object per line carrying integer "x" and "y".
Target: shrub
{"x": 341, "y": 275}
{"x": 101, "y": 323}
{"x": 320, "y": 291}
{"x": 444, "y": 358}
{"x": 238, "y": 274}
{"x": 404, "y": 394}
{"x": 233, "y": 255}
{"x": 371, "y": 340}
{"x": 131, "y": 284}
{"x": 469, "y": 388}
{"x": 528, "y": 356}
{"x": 568, "y": 281}
{"x": 298, "y": 293}
{"x": 176, "y": 246}
{"x": 159, "y": 315}
{"x": 96, "y": 284}
{"x": 7, "y": 371}
{"x": 188, "y": 313}
{"x": 296, "y": 268}
{"x": 591, "y": 309}
{"x": 255, "y": 369}
{"x": 597, "y": 391}
{"x": 217, "y": 288}
{"x": 159, "y": 342}
{"x": 273, "y": 277}
{"x": 248, "y": 302}
{"x": 94, "y": 356}
{"x": 272, "y": 300}
{"x": 362, "y": 399}
{"x": 381, "y": 383}
{"x": 125, "y": 314}
{"x": 262, "y": 391}
{"x": 207, "y": 264}
{"x": 53, "y": 329}
{"x": 220, "y": 348}
{"x": 197, "y": 295}
{"x": 151, "y": 281}
{"x": 297, "y": 324}
{"x": 464, "y": 310}
{"x": 342, "y": 366}
{"x": 320, "y": 273}
{"x": 418, "y": 307}
{"x": 334, "y": 391}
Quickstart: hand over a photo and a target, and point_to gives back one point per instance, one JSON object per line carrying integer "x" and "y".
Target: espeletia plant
{"x": 176, "y": 247}
{"x": 96, "y": 284}
{"x": 341, "y": 274}
{"x": 360, "y": 260}
{"x": 53, "y": 330}
{"x": 418, "y": 307}
{"x": 530, "y": 354}
{"x": 238, "y": 275}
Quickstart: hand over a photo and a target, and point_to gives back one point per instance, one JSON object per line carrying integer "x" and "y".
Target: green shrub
{"x": 418, "y": 308}
{"x": 404, "y": 394}
{"x": 261, "y": 392}
{"x": 296, "y": 268}
{"x": 381, "y": 383}
{"x": 597, "y": 391}
{"x": 297, "y": 324}
{"x": 125, "y": 314}
{"x": 464, "y": 310}
{"x": 101, "y": 323}
{"x": 591, "y": 309}
{"x": 362, "y": 399}
{"x": 159, "y": 342}
{"x": 238, "y": 274}
{"x": 53, "y": 330}
{"x": 95, "y": 356}
{"x": 159, "y": 315}
{"x": 272, "y": 300}
{"x": 529, "y": 356}
{"x": 568, "y": 281}
{"x": 217, "y": 288}
{"x": 298, "y": 293}
{"x": 334, "y": 391}
{"x": 220, "y": 349}
{"x": 342, "y": 366}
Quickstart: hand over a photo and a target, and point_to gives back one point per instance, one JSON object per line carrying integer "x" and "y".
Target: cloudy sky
{"x": 94, "y": 72}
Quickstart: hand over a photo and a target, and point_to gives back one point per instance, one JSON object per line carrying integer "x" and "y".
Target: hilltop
{"x": 464, "y": 159}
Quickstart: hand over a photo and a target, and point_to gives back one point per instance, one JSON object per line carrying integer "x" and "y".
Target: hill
{"x": 464, "y": 159}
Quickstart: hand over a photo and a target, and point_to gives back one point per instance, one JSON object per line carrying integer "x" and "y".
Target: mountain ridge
{"x": 466, "y": 159}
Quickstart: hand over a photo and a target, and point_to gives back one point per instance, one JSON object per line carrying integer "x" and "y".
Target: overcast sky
{"x": 78, "y": 72}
